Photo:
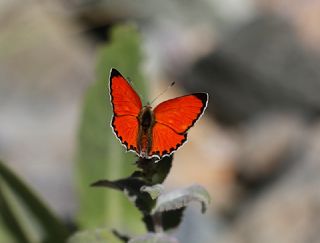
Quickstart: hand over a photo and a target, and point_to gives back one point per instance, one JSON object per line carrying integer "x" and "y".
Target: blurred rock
{"x": 44, "y": 71}
{"x": 304, "y": 16}
{"x": 288, "y": 211}
{"x": 269, "y": 145}
{"x": 260, "y": 67}
{"x": 263, "y": 80}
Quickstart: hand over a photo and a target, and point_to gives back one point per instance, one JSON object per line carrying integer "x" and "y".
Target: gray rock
{"x": 288, "y": 211}
{"x": 43, "y": 74}
{"x": 269, "y": 146}
{"x": 261, "y": 67}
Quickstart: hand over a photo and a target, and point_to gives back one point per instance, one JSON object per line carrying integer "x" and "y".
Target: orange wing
{"x": 126, "y": 106}
{"x": 173, "y": 118}
{"x": 165, "y": 140}
{"x": 124, "y": 100}
{"x": 181, "y": 113}
{"x": 126, "y": 129}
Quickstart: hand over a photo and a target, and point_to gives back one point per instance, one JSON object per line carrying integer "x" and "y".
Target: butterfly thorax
{"x": 144, "y": 139}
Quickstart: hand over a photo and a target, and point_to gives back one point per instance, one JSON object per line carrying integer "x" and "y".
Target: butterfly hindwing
{"x": 126, "y": 106}
{"x": 165, "y": 140}
{"x": 126, "y": 129}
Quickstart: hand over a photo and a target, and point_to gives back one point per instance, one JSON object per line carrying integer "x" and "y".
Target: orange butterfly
{"x": 152, "y": 133}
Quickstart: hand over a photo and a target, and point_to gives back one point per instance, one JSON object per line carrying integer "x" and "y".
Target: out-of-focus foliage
{"x": 154, "y": 238}
{"x": 161, "y": 212}
{"x": 94, "y": 236}
{"x": 4, "y": 234}
{"x": 100, "y": 155}
{"x": 24, "y": 215}
{"x": 182, "y": 197}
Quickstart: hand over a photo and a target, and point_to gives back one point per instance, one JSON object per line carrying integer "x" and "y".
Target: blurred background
{"x": 256, "y": 149}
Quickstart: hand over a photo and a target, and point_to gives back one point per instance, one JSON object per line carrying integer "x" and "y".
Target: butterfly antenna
{"x": 163, "y": 92}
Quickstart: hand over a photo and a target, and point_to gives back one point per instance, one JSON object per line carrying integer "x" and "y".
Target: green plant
{"x": 25, "y": 217}
{"x": 161, "y": 211}
{"x": 101, "y": 156}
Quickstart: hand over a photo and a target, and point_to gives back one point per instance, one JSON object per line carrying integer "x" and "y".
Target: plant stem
{"x": 157, "y": 221}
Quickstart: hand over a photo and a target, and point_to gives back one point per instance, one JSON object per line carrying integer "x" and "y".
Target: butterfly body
{"x": 151, "y": 132}
{"x": 144, "y": 138}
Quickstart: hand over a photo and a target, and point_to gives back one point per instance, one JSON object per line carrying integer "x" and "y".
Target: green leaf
{"x": 11, "y": 221}
{"x": 94, "y": 236}
{"x": 154, "y": 191}
{"x": 181, "y": 198}
{"x": 172, "y": 218}
{"x": 99, "y": 153}
{"x": 154, "y": 238}
{"x": 154, "y": 172}
{"x": 24, "y": 201}
{"x": 131, "y": 186}
{"x": 5, "y": 235}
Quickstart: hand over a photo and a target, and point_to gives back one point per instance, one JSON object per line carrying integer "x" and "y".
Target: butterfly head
{"x": 148, "y": 105}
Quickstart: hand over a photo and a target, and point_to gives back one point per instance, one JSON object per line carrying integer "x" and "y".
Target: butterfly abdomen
{"x": 144, "y": 140}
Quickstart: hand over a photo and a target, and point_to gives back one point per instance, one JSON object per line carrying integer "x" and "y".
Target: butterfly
{"x": 151, "y": 132}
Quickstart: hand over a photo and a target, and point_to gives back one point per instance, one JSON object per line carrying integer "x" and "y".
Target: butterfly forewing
{"x": 181, "y": 113}
{"x": 126, "y": 107}
{"x": 124, "y": 99}
{"x": 173, "y": 118}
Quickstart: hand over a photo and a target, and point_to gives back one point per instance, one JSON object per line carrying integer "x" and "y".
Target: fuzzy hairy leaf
{"x": 154, "y": 172}
{"x": 132, "y": 187}
{"x": 154, "y": 238}
{"x": 171, "y": 219}
{"x": 181, "y": 198}
{"x": 154, "y": 191}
